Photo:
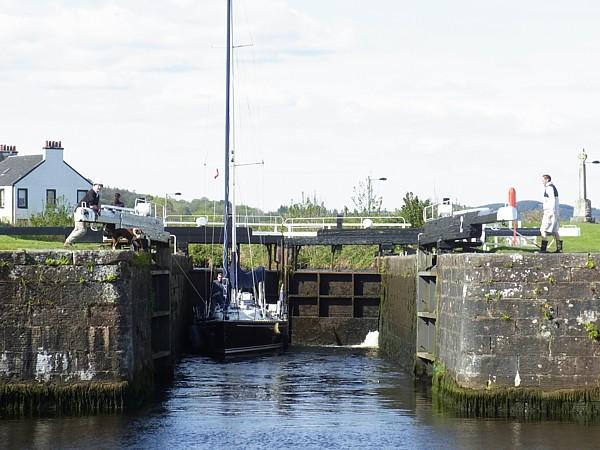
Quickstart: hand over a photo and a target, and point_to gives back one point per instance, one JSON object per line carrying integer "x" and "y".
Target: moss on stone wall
{"x": 526, "y": 403}
{"x": 46, "y": 398}
{"x": 34, "y": 399}
{"x": 397, "y": 321}
{"x": 77, "y": 332}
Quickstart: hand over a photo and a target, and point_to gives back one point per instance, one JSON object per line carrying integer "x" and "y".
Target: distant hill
{"x": 566, "y": 211}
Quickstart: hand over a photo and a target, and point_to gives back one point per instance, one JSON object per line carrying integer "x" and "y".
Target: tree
{"x": 412, "y": 210}
{"x": 365, "y": 200}
{"x": 306, "y": 208}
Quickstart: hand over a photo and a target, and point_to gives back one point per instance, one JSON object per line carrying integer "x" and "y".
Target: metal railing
{"x": 446, "y": 209}
{"x": 437, "y": 210}
{"x": 310, "y": 225}
{"x": 270, "y": 223}
{"x": 292, "y": 226}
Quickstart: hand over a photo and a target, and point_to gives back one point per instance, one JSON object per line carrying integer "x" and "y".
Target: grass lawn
{"x": 18, "y": 243}
{"x": 589, "y": 241}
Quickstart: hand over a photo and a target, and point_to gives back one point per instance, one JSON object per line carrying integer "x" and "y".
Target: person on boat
{"x": 550, "y": 219}
{"x": 217, "y": 293}
{"x": 92, "y": 200}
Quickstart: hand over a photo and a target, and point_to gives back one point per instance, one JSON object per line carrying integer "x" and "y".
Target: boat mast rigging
{"x": 230, "y": 247}
{"x": 229, "y": 250}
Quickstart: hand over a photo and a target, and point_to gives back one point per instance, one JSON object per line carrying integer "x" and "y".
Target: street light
{"x": 167, "y": 196}
{"x": 370, "y": 191}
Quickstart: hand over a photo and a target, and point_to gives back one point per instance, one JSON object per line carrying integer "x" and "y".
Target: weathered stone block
{"x": 524, "y": 347}
{"x": 575, "y": 346}
{"x": 8, "y": 290}
{"x": 500, "y": 274}
{"x": 48, "y": 257}
{"x": 10, "y": 259}
{"x": 490, "y": 326}
{"x": 588, "y": 365}
{"x": 475, "y": 370}
{"x": 477, "y": 275}
{"x": 585, "y": 274}
{"x": 525, "y": 309}
{"x": 579, "y": 290}
{"x": 493, "y": 291}
{"x": 95, "y": 258}
{"x": 576, "y": 260}
{"x": 481, "y": 344}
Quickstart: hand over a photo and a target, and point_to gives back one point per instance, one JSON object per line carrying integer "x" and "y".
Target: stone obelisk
{"x": 583, "y": 206}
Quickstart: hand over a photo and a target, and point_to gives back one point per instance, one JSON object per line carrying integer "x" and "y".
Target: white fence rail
{"x": 295, "y": 226}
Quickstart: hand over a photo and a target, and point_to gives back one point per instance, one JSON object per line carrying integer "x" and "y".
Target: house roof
{"x": 13, "y": 168}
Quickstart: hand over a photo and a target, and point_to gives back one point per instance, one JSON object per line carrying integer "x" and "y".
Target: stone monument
{"x": 583, "y": 206}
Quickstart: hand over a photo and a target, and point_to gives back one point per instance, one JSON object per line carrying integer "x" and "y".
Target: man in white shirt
{"x": 550, "y": 219}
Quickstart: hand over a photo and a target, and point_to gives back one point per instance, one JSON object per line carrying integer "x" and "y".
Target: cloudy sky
{"x": 462, "y": 99}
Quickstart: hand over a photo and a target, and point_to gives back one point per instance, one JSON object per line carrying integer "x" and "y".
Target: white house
{"x": 28, "y": 183}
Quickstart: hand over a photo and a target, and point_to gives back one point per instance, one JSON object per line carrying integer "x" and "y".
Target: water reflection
{"x": 310, "y": 398}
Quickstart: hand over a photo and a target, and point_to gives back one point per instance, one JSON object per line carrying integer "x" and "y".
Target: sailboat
{"x": 242, "y": 322}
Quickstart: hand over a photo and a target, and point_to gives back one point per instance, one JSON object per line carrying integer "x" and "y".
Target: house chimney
{"x": 54, "y": 145}
{"x": 53, "y": 151}
{"x": 7, "y": 150}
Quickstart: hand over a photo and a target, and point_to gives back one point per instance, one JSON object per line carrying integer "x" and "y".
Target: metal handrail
{"x": 273, "y": 222}
{"x": 437, "y": 210}
{"x": 447, "y": 208}
{"x": 320, "y": 223}
{"x": 292, "y": 225}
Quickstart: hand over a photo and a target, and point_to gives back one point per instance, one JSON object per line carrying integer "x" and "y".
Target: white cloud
{"x": 462, "y": 100}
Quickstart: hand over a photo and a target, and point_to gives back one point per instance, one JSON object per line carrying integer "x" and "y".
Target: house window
{"x": 50, "y": 198}
{"x": 22, "y": 198}
{"x": 80, "y": 195}
{"x": 1, "y": 198}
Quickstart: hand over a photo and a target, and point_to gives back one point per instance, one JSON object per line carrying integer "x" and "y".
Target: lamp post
{"x": 583, "y": 206}
{"x": 167, "y": 196}
{"x": 370, "y": 191}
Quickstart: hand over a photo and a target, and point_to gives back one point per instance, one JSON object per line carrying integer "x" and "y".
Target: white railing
{"x": 271, "y": 223}
{"x": 294, "y": 226}
{"x": 446, "y": 209}
{"x": 437, "y": 210}
{"x": 297, "y": 226}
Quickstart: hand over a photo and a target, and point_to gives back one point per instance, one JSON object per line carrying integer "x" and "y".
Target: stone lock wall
{"x": 519, "y": 320}
{"x": 72, "y": 319}
{"x": 514, "y": 334}
{"x": 397, "y": 322}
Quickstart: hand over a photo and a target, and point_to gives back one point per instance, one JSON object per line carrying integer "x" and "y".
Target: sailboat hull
{"x": 224, "y": 339}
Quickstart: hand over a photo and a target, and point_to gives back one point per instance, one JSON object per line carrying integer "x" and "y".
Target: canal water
{"x": 308, "y": 398}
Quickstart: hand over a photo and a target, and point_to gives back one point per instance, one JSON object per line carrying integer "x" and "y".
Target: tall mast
{"x": 234, "y": 256}
{"x": 227, "y": 133}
